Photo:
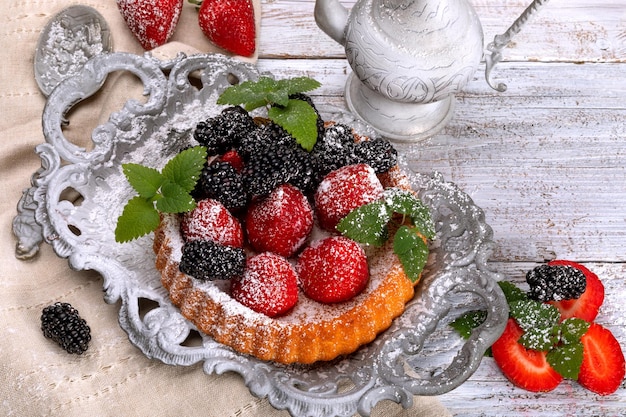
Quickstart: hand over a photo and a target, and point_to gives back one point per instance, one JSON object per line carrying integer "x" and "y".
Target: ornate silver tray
{"x": 418, "y": 355}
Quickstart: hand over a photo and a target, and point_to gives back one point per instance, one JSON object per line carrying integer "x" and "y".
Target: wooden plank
{"x": 563, "y": 30}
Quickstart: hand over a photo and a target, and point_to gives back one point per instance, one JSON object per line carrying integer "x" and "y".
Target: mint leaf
{"x": 299, "y": 119}
{"x": 573, "y": 329}
{"x": 138, "y": 218}
{"x": 411, "y": 250}
{"x": 146, "y": 181}
{"x": 466, "y": 323}
{"x": 531, "y": 314}
{"x": 260, "y": 91}
{"x": 184, "y": 169}
{"x": 367, "y": 224}
{"x": 174, "y": 199}
{"x": 406, "y": 203}
{"x": 298, "y": 85}
{"x": 540, "y": 338}
{"x": 511, "y": 292}
{"x": 566, "y": 359}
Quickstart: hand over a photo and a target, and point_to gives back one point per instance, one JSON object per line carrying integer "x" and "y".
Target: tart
{"x": 311, "y": 331}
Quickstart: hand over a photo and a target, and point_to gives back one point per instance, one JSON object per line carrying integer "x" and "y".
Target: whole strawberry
{"x": 344, "y": 190}
{"x": 269, "y": 285}
{"x": 210, "y": 220}
{"x": 280, "y": 222}
{"x": 152, "y": 22}
{"x": 333, "y": 270}
{"x": 229, "y": 24}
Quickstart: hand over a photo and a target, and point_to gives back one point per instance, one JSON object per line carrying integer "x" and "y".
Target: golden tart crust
{"x": 310, "y": 332}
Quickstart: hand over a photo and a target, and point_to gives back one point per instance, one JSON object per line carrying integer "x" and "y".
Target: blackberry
{"x": 555, "y": 283}
{"x": 265, "y": 136}
{"x": 208, "y": 260}
{"x": 220, "y": 181}
{"x": 224, "y": 131}
{"x": 377, "y": 153}
{"x": 62, "y": 323}
{"x": 336, "y": 149}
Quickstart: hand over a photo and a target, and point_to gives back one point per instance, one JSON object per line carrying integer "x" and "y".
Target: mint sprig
{"x": 369, "y": 225}
{"x": 297, "y": 117}
{"x": 167, "y": 191}
{"x": 542, "y": 330}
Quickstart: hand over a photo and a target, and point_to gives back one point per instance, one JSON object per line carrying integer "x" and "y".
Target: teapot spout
{"x": 332, "y": 17}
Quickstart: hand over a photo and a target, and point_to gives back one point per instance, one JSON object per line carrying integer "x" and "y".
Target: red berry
{"x": 210, "y": 220}
{"x": 269, "y": 285}
{"x": 229, "y": 24}
{"x": 526, "y": 368}
{"x": 152, "y": 22}
{"x": 233, "y": 158}
{"x": 280, "y": 222}
{"x": 333, "y": 269}
{"x": 344, "y": 190}
{"x": 587, "y": 305}
{"x": 603, "y": 368}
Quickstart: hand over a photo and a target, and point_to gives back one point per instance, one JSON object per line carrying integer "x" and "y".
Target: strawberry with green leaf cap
{"x": 229, "y": 24}
{"x": 151, "y": 21}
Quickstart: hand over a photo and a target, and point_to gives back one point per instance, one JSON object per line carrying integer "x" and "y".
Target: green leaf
{"x": 406, "y": 203}
{"x": 466, "y": 323}
{"x": 573, "y": 329}
{"x": 249, "y": 92}
{"x": 511, "y": 292}
{"x": 531, "y": 314}
{"x": 566, "y": 359}
{"x": 367, "y": 224}
{"x": 184, "y": 169}
{"x": 411, "y": 250}
{"x": 540, "y": 338}
{"x": 299, "y": 119}
{"x": 298, "y": 85}
{"x": 146, "y": 181}
{"x": 138, "y": 218}
{"x": 174, "y": 199}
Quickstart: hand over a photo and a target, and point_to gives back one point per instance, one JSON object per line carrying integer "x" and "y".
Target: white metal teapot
{"x": 409, "y": 59}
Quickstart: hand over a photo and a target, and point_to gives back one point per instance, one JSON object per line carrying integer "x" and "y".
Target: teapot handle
{"x": 500, "y": 41}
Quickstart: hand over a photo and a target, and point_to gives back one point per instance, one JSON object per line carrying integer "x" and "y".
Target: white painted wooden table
{"x": 546, "y": 159}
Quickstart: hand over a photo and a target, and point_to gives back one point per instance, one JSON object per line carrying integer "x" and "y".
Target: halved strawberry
{"x": 280, "y": 222}
{"x": 603, "y": 368}
{"x": 210, "y": 220}
{"x": 344, "y": 190}
{"x": 333, "y": 269}
{"x": 587, "y": 305}
{"x": 269, "y": 285}
{"x": 527, "y": 369}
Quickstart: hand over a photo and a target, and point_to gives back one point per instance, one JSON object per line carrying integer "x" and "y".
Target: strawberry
{"x": 152, "y": 22}
{"x": 603, "y": 368}
{"x": 333, "y": 269}
{"x": 233, "y": 158}
{"x": 229, "y": 24}
{"x": 527, "y": 369}
{"x": 269, "y": 285}
{"x": 344, "y": 190}
{"x": 280, "y": 222}
{"x": 210, "y": 220}
{"x": 587, "y": 305}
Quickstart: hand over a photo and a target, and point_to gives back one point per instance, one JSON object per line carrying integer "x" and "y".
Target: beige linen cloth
{"x": 113, "y": 378}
